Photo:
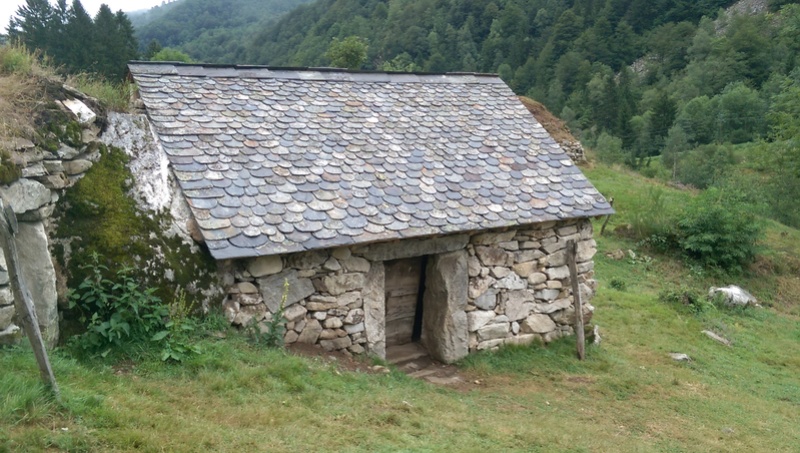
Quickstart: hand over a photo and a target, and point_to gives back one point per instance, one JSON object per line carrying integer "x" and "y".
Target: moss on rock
{"x": 9, "y": 171}
{"x": 98, "y": 215}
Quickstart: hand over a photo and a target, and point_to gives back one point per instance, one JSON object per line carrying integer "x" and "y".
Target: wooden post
{"x": 22, "y": 298}
{"x": 603, "y": 228}
{"x": 572, "y": 252}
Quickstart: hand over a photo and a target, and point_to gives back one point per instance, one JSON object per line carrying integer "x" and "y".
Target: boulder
{"x": 375, "y": 310}
{"x": 25, "y": 195}
{"x": 36, "y": 268}
{"x": 335, "y": 345}
{"x": 294, "y": 313}
{"x": 538, "y": 323}
{"x": 444, "y": 322}
{"x": 733, "y": 295}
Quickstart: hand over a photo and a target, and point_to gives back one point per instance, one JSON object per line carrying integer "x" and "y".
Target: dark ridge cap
{"x": 331, "y": 70}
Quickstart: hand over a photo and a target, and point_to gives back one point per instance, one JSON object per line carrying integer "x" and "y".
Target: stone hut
{"x": 400, "y": 208}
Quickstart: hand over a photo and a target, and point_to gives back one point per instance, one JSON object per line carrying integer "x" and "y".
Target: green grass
{"x": 629, "y": 395}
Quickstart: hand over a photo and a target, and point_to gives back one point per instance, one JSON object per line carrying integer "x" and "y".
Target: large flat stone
{"x": 493, "y": 331}
{"x": 409, "y": 248}
{"x": 493, "y": 256}
{"x": 519, "y": 304}
{"x": 311, "y": 332}
{"x": 36, "y": 268}
{"x": 537, "y": 323}
{"x": 487, "y": 300}
{"x": 264, "y": 266}
{"x": 444, "y": 323}
{"x": 272, "y": 289}
{"x": 342, "y": 283}
{"x": 26, "y": 195}
{"x": 479, "y": 318}
{"x": 6, "y": 316}
{"x": 375, "y": 310}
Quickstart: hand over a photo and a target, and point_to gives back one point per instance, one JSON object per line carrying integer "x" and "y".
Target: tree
{"x": 170, "y": 54}
{"x": 78, "y": 35}
{"x": 31, "y": 25}
{"x": 350, "y": 52}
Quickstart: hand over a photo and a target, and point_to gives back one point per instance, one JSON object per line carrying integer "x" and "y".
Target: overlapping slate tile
{"x": 276, "y": 161}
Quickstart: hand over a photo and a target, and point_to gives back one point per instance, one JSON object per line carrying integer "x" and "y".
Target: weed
{"x": 271, "y": 335}
{"x": 618, "y": 284}
{"x": 696, "y": 302}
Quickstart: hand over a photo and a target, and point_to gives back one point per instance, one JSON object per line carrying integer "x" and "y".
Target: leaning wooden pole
{"x": 572, "y": 252}
{"x": 22, "y": 298}
{"x": 608, "y": 217}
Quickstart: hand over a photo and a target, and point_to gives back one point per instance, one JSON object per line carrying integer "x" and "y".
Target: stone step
{"x": 400, "y": 354}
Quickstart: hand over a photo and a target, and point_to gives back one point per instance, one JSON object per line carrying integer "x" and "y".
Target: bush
{"x": 704, "y": 165}
{"x": 117, "y": 313}
{"x": 718, "y": 232}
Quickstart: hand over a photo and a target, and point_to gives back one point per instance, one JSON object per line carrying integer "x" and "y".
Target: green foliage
{"x": 117, "y": 313}
{"x": 9, "y": 171}
{"x": 74, "y": 40}
{"x": 688, "y": 297}
{"x": 350, "y": 52}
{"x": 115, "y": 96}
{"x": 176, "y": 339}
{"x": 169, "y": 54}
{"x": 272, "y": 333}
{"x": 719, "y": 231}
{"x": 618, "y": 284}
{"x": 704, "y": 166}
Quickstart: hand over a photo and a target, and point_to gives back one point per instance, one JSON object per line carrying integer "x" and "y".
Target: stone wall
{"x": 37, "y": 175}
{"x": 516, "y": 286}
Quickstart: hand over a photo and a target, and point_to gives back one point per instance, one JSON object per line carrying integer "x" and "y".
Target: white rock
{"x": 84, "y": 114}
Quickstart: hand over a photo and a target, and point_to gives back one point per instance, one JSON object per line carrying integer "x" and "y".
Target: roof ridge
{"x": 175, "y": 65}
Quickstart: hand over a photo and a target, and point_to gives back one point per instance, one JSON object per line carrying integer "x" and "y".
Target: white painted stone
{"x": 81, "y": 111}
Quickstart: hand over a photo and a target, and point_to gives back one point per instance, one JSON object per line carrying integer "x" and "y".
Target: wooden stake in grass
{"x": 572, "y": 252}
{"x": 22, "y": 298}
{"x": 603, "y": 228}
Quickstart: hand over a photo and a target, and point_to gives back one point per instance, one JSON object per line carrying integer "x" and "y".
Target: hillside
{"x": 629, "y": 395}
{"x": 212, "y": 31}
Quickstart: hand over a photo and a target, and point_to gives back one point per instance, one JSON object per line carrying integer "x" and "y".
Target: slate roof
{"x": 274, "y": 161}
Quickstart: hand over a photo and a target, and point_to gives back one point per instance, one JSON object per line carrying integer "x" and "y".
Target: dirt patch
{"x": 425, "y": 368}
{"x": 552, "y": 124}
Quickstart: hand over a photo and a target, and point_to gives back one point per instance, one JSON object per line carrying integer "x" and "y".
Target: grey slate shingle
{"x": 275, "y": 161}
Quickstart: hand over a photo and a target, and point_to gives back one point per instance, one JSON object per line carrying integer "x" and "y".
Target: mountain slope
{"x": 210, "y": 30}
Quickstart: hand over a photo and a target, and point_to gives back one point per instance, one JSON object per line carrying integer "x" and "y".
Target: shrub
{"x": 696, "y": 302}
{"x": 116, "y": 314}
{"x": 718, "y": 232}
{"x": 704, "y": 165}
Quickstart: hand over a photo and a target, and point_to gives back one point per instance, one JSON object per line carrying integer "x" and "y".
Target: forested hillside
{"x": 213, "y": 31}
{"x": 713, "y": 93}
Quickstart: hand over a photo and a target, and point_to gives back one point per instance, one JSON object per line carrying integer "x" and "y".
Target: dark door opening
{"x": 405, "y": 288}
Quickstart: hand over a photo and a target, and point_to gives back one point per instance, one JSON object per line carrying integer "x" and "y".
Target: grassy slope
{"x": 628, "y": 395}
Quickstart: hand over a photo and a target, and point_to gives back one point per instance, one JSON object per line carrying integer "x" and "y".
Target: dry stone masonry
{"x": 63, "y": 154}
{"x": 503, "y": 287}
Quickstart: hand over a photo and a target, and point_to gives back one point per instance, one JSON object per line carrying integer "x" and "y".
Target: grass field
{"x": 629, "y": 395}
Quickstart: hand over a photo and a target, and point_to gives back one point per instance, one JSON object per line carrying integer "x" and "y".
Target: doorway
{"x": 404, "y": 290}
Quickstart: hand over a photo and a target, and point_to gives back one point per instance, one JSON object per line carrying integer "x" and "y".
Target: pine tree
{"x": 31, "y": 25}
